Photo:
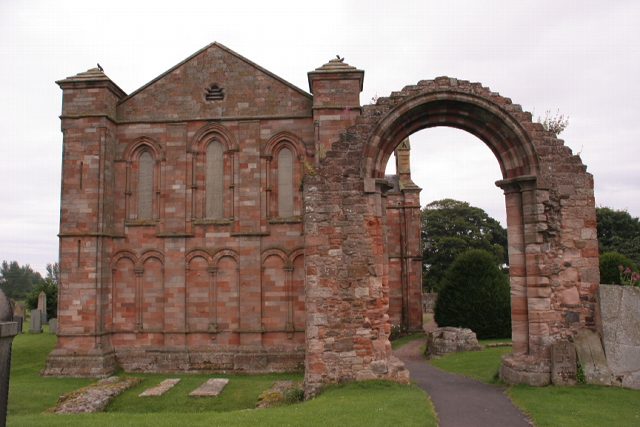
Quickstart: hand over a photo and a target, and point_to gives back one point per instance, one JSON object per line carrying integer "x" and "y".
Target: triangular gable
{"x": 212, "y": 83}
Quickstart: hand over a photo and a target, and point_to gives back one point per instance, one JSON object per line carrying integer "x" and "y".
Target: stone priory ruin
{"x": 220, "y": 218}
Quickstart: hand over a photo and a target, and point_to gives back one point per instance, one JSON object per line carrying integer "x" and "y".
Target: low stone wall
{"x": 249, "y": 361}
{"x": 62, "y": 363}
{"x": 619, "y": 327}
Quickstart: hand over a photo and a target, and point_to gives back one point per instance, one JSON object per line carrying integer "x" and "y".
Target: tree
{"x": 618, "y": 232}
{"x": 450, "y": 227}
{"x": 475, "y": 295}
{"x": 17, "y": 281}
{"x": 53, "y": 273}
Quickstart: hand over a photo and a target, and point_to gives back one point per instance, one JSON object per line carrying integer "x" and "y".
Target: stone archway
{"x": 553, "y": 249}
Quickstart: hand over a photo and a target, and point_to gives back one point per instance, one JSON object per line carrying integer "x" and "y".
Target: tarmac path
{"x": 460, "y": 401}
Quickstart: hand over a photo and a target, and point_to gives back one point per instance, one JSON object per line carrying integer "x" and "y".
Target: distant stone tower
{"x": 404, "y": 246}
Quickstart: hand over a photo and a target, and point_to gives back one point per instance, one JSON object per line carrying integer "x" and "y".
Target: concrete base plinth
{"x": 524, "y": 369}
{"x": 94, "y": 364}
{"x": 252, "y": 361}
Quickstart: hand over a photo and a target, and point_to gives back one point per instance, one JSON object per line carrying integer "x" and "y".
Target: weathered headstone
{"x": 8, "y": 330}
{"x": 19, "y": 322}
{"x": 564, "y": 367}
{"x": 18, "y": 310}
{"x": 161, "y": 388}
{"x": 591, "y": 357}
{"x": 42, "y": 306}
{"x": 36, "y": 322}
{"x": 53, "y": 326}
{"x": 211, "y": 388}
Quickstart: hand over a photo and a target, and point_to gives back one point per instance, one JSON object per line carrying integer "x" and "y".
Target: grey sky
{"x": 582, "y": 57}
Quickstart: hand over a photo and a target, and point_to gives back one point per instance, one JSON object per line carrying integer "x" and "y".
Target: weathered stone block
{"x": 563, "y": 363}
{"x": 525, "y": 369}
{"x": 451, "y": 340}
{"x": 211, "y": 388}
{"x": 619, "y": 313}
{"x": 591, "y": 357}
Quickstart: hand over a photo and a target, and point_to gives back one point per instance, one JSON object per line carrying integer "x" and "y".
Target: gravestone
{"x": 19, "y": 322}
{"x": 161, "y": 388}
{"x": 619, "y": 309}
{"x": 42, "y": 306}
{"x": 564, "y": 367}
{"x": 8, "y": 330}
{"x": 591, "y": 357}
{"x": 18, "y": 310}
{"x": 211, "y": 388}
{"x": 36, "y": 322}
{"x": 53, "y": 326}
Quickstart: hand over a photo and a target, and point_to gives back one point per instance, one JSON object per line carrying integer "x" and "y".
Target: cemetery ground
{"x": 369, "y": 403}
{"x": 375, "y": 403}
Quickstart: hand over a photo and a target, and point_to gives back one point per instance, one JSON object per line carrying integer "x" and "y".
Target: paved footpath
{"x": 460, "y": 401}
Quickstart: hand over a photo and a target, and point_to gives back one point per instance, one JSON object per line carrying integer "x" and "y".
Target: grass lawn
{"x": 580, "y": 406}
{"x": 480, "y": 365}
{"x": 399, "y": 342}
{"x": 552, "y": 406}
{"x": 373, "y": 403}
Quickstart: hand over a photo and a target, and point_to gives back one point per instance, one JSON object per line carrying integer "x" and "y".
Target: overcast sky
{"x": 581, "y": 57}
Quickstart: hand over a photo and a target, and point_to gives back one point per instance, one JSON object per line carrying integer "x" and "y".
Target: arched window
{"x": 285, "y": 183}
{"x": 145, "y": 185}
{"x": 214, "y": 181}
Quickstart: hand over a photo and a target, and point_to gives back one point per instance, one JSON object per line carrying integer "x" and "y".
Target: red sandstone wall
{"x": 178, "y": 281}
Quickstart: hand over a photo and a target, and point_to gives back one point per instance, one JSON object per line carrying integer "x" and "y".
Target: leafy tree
{"x": 618, "y": 232}
{"x": 53, "y": 273}
{"x": 475, "y": 295}
{"x": 50, "y": 288}
{"x": 450, "y": 227}
{"x": 17, "y": 281}
{"x": 609, "y": 267}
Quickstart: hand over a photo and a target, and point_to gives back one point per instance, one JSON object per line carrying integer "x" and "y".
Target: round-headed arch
{"x": 484, "y": 117}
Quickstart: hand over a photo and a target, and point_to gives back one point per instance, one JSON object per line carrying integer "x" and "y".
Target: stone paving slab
{"x": 211, "y": 388}
{"x": 161, "y": 388}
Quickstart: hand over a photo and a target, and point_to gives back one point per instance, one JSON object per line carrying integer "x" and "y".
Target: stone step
{"x": 211, "y": 388}
{"x": 161, "y": 388}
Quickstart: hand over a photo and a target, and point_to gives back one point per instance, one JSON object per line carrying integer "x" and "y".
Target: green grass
{"x": 480, "y": 365}
{"x": 580, "y": 406}
{"x": 29, "y": 392}
{"x": 372, "y": 403}
{"x": 241, "y": 393}
{"x": 399, "y": 342}
{"x": 375, "y": 403}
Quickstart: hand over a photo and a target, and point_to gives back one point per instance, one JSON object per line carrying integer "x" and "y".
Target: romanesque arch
{"x": 551, "y": 226}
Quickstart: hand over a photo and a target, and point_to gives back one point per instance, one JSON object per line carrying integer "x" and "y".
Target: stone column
{"x": 86, "y": 224}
